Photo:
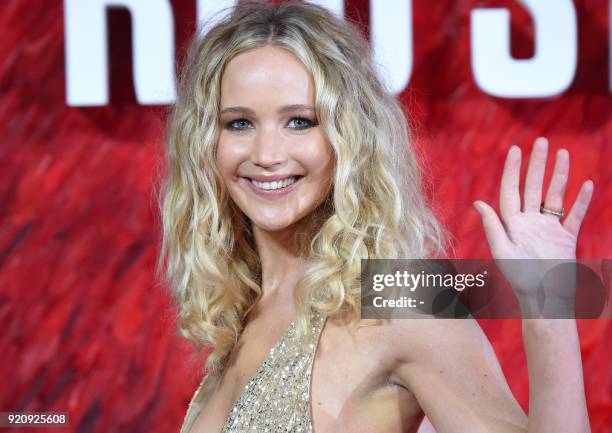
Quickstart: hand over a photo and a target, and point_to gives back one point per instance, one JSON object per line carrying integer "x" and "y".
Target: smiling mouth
{"x": 274, "y": 185}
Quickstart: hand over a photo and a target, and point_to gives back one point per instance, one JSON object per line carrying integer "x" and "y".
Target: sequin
{"x": 277, "y": 398}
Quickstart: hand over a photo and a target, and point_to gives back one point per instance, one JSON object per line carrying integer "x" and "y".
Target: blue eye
{"x": 238, "y": 124}
{"x": 297, "y": 123}
{"x": 301, "y": 123}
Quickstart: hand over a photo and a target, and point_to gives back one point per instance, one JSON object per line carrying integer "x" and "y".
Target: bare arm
{"x": 458, "y": 381}
{"x": 529, "y": 232}
{"x": 452, "y": 370}
{"x": 556, "y": 392}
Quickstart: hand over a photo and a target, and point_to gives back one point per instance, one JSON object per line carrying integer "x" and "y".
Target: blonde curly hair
{"x": 377, "y": 208}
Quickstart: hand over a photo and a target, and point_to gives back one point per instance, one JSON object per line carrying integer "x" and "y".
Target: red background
{"x": 86, "y": 328}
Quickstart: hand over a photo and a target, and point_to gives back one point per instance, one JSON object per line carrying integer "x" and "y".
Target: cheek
{"x": 323, "y": 159}
{"x": 320, "y": 163}
{"x": 318, "y": 154}
{"x": 226, "y": 160}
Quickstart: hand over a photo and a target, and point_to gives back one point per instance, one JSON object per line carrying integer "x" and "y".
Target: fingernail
{"x": 542, "y": 141}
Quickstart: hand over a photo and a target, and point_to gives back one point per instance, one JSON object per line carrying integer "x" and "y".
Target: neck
{"x": 283, "y": 254}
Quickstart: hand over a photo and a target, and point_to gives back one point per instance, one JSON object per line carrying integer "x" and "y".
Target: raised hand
{"x": 531, "y": 233}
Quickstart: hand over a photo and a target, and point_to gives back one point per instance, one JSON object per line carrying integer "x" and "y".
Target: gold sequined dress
{"x": 277, "y": 398}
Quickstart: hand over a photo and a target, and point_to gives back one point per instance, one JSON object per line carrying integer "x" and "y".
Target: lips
{"x": 274, "y": 185}
{"x": 273, "y": 189}
{"x": 271, "y": 178}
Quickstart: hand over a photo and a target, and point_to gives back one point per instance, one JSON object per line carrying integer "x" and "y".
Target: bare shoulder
{"x": 430, "y": 344}
{"x": 450, "y": 366}
{"x": 422, "y": 339}
{"x": 416, "y": 340}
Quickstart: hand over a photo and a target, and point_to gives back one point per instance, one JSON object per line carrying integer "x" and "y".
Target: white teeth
{"x": 277, "y": 184}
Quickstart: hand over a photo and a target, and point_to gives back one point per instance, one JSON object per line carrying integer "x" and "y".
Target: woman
{"x": 289, "y": 162}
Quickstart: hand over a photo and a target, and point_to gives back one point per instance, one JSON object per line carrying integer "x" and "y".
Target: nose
{"x": 268, "y": 149}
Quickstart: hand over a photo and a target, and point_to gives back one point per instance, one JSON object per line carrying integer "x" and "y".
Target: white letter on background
{"x": 87, "y": 51}
{"x": 391, "y": 35}
{"x": 548, "y": 73}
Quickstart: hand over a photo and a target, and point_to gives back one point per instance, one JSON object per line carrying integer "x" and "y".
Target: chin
{"x": 270, "y": 227}
{"x": 274, "y": 222}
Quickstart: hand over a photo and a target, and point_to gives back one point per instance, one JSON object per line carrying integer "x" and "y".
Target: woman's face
{"x": 272, "y": 155}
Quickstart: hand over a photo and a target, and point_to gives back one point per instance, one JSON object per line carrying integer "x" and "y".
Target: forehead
{"x": 266, "y": 74}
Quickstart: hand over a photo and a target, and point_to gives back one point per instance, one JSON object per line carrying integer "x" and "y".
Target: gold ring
{"x": 557, "y": 213}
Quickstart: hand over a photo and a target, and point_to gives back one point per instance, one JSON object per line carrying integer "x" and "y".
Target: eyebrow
{"x": 282, "y": 110}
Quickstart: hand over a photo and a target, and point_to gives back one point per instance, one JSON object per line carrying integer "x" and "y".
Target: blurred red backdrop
{"x": 86, "y": 328}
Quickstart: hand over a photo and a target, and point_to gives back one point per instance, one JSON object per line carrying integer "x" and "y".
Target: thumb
{"x": 494, "y": 229}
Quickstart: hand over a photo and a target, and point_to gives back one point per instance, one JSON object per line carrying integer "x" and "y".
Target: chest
{"x": 349, "y": 390}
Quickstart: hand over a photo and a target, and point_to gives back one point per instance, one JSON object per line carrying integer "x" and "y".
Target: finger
{"x": 535, "y": 176}
{"x": 509, "y": 195}
{"x": 494, "y": 230}
{"x": 576, "y": 215}
{"x": 558, "y": 182}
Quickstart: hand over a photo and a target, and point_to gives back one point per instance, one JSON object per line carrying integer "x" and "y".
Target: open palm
{"x": 528, "y": 233}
